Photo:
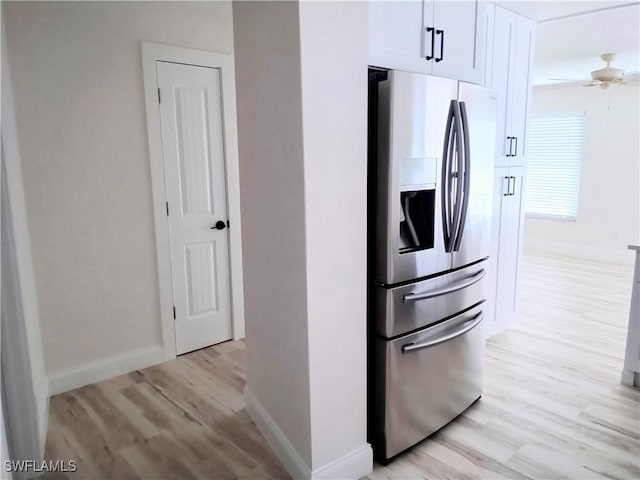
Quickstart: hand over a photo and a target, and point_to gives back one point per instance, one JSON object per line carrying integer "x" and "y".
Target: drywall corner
{"x": 21, "y": 308}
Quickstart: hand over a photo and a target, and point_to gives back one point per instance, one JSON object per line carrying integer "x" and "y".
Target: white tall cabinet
{"x": 509, "y": 71}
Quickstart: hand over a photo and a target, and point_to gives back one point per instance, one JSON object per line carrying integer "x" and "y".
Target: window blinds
{"x": 553, "y": 173}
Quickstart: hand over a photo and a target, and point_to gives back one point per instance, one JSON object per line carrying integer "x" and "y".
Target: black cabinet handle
{"x": 516, "y": 149}
{"x": 433, "y": 41}
{"x": 513, "y": 192}
{"x": 510, "y": 154}
{"x": 508, "y": 186}
{"x": 441, "y": 33}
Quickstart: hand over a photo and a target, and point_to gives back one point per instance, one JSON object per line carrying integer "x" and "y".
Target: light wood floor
{"x": 181, "y": 419}
{"x": 552, "y": 406}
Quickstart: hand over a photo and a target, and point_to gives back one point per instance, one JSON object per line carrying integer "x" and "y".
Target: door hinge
{"x": 167, "y": 203}
{"x": 159, "y": 98}
{"x": 174, "y": 312}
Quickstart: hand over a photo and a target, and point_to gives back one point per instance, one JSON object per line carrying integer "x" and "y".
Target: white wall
{"x": 334, "y": 106}
{"x": 609, "y": 203}
{"x": 301, "y": 76}
{"x": 77, "y": 74}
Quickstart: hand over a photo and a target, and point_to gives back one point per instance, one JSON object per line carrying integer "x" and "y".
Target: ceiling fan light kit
{"x": 607, "y": 74}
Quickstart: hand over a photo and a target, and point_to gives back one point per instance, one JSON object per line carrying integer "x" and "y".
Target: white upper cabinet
{"x": 441, "y": 38}
{"x": 395, "y": 36}
{"x": 454, "y": 36}
{"x": 512, "y": 59}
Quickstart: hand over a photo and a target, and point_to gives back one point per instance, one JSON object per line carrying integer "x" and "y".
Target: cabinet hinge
{"x": 159, "y": 98}
{"x": 167, "y": 203}
{"x": 174, "y": 312}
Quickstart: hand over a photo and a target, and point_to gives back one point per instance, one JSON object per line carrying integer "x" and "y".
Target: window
{"x": 553, "y": 174}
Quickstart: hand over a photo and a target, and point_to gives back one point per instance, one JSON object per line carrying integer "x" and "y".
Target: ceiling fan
{"x": 607, "y": 76}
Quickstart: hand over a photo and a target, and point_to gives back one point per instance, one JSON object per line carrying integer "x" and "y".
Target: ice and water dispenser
{"x": 417, "y": 203}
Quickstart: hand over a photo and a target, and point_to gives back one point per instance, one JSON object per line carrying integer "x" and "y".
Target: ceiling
{"x": 572, "y": 35}
{"x": 546, "y": 10}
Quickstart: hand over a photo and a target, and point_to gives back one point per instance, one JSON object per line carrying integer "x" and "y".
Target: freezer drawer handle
{"x": 454, "y": 287}
{"x": 475, "y": 320}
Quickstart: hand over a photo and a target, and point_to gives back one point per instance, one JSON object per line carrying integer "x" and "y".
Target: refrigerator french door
{"x": 478, "y": 112}
{"x": 430, "y": 165}
{"x": 433, "y": 202}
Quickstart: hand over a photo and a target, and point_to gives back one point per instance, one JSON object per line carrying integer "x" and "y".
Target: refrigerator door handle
{"x": 458, "y": 176}
{"x": 454, "y": 287}
{"x": 447, "y": 177}
{"x": 475, "y": 321}
{"x": 466, "y": 176}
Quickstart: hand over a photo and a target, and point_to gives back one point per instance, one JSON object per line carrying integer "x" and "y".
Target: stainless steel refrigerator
{"x": 431, "y": 155}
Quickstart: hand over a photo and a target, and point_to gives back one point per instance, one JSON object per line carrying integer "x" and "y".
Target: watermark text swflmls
{"x": 58, "y": 466}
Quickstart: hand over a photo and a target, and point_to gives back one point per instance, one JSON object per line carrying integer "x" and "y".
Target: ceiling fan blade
{"x": 568, "y": 79}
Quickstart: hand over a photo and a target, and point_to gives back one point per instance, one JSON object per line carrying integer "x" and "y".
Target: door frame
{"x": 152, "y": 53}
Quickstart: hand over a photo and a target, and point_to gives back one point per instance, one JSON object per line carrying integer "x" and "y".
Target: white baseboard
{"x": 103, "y": 369}
{"x": 587, "y": 252}
{"x": 353, "y": 465}
{"x": 277, "y": 440}
{"x": 44, "y": 424}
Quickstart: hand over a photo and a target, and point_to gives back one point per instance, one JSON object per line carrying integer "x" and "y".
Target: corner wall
{"x": 301, "y": 76}
{"x": 25, "y": 387}
{"x": 270, "y": 142}
{"x": 334, "y": 106}
{"x": 608, "y": 204}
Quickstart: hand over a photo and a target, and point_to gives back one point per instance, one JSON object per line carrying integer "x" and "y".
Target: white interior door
{"x": 194, "y": 163}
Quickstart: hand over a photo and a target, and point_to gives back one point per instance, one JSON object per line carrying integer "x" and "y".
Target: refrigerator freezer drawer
{"x": 403, "y": 309}
{"x": 426, "y": 379}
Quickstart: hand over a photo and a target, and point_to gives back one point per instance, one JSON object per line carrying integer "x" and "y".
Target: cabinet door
{"x": 489, "y": 18}
{"x": 520, "y": 87}
{"x": 510, "y": 246}
{"x": 396, "y": 36}
{"x": 502, "y": 74}
{"x": 500, "y": 189}
{"x": 459, "y": 39}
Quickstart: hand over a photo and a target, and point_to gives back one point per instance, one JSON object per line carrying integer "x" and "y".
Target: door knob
{"x": 220, "y": 225}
